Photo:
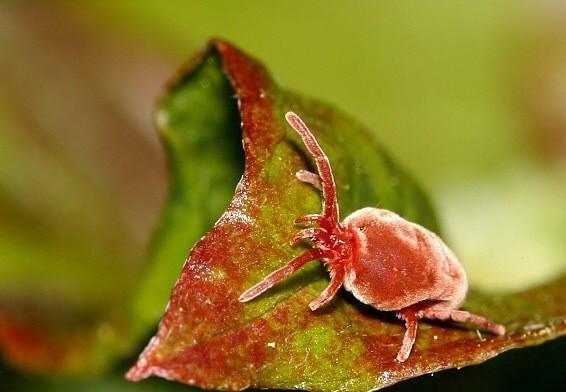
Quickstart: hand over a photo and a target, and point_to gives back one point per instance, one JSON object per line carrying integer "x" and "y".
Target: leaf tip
{"x": 137, "y": 373}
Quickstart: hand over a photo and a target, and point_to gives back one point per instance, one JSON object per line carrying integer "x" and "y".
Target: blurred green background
{"x": 469, "y": 96}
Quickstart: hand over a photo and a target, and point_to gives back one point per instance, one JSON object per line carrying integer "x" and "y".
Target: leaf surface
{"x": 209, "y": 339}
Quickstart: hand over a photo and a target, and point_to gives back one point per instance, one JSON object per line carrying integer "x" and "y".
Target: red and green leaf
{"x": 209, "y": 339}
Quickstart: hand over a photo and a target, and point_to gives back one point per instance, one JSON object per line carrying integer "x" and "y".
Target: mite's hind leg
{"x": 462, "y": 316}
{"x": 411, "y": 324}
{"x": 309, "y": 178}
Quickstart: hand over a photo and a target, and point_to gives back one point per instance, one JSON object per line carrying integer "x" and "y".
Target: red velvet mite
{"x": 384, "y": 260}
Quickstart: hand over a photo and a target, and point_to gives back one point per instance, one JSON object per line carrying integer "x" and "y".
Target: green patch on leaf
{"x": 205, "y": 161}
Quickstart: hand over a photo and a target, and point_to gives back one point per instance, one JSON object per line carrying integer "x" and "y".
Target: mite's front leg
{"x": 336, "y": 282}
{"x": 309, "y": 178}
{"x": 280, "y": 274}
{"x": 317, "y": 235}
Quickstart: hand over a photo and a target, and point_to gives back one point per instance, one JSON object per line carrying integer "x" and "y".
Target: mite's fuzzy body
{"x": 384, "y": 260}
{"x": 398, "y": 263}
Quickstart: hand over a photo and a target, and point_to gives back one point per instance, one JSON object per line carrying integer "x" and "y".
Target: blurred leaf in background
{"x": 469, "y": 96}
{"x": 81, "y": 181}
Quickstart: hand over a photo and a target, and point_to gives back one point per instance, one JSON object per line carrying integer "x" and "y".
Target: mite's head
{"x": 368, "y": 218}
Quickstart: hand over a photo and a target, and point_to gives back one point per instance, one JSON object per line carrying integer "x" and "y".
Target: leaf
{"x": 209, "y": 339}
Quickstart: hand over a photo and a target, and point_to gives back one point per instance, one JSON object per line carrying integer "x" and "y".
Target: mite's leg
{"x": 309, "y": 178}
{"x": 330, "y": 209}
{"x": 315, "y": 219}
{"x": 461, "y": 316}
{"x": 317, "y": 235}
{"x": 336, "y": 280}
{"x": 309, "y": 219}
{"x": 411, "y": 324}
{"x": 279, "y": 274}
